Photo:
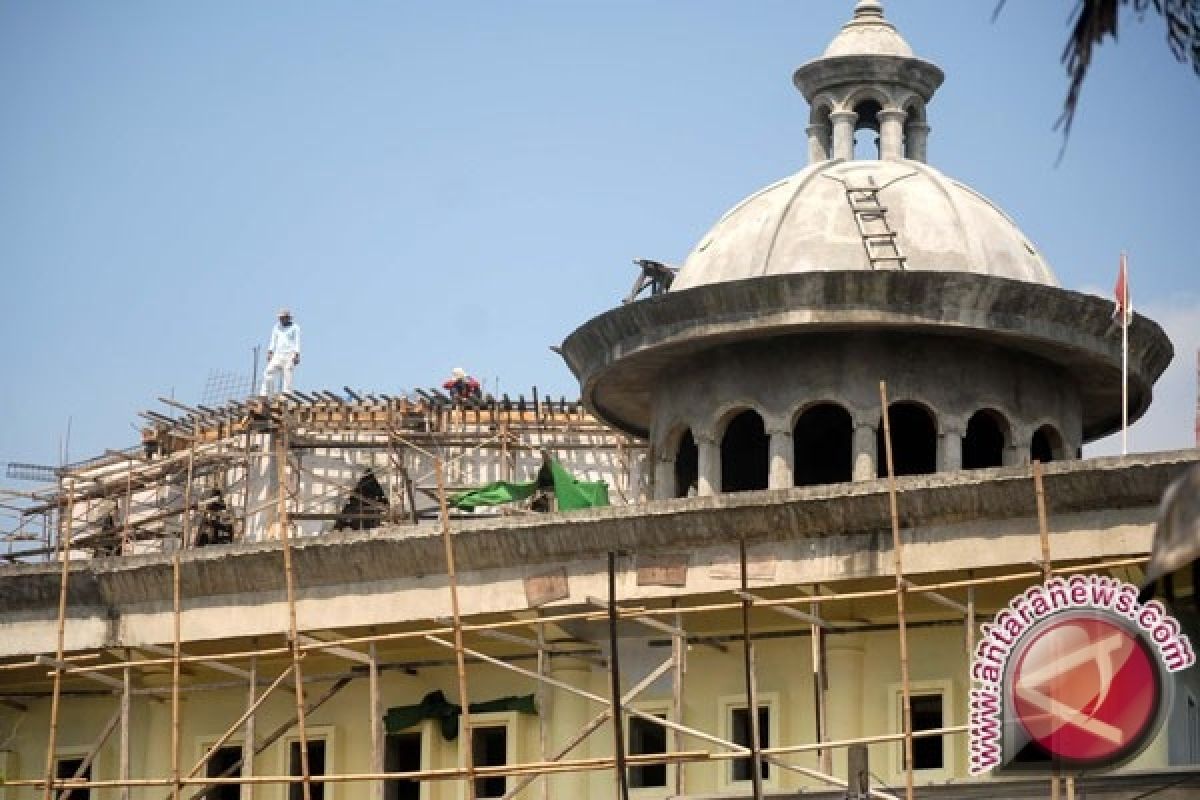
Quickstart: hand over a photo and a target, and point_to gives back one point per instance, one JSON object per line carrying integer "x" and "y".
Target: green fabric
{"x": 435, "y": 706}
{"x": 571, "y": 493}
{"x": 493, "y": 494}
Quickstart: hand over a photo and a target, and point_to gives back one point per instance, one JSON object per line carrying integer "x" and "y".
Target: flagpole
{"x": 1125, "y": 357}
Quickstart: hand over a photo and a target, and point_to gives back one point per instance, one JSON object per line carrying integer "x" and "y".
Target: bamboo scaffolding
{"x": 281, "y": 459}
{"x": 614, "y": 674}
{"x": 901, "y": 589}
{"x": 176, "y": 643}
{"x": 460, "y": 665}
{"x": 751, "y": 685}
{"x": 60, "y": 641}
{"x": 589, "y": 616}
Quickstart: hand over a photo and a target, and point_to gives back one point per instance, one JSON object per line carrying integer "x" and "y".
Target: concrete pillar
{"x": 783, "y": 460}
{"x": 1016, "y": 456}
{"x": 843, "y": 133}
{"x": 664, "y": 478}
{"x": 864, "y": 452}
{"x": 917, "y": 141}
{"x": 570, "y": 713}
{"x": 950, "y": 450}
{"x": 844, "y": 658}
{"x": 708, "y": 457}
{"x": 891, "y": 134}
{"x": 818, "y": 143}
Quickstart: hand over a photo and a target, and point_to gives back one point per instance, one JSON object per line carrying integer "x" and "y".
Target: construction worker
{"x": 283, "y": 353}
{"x": 462, "y": 386}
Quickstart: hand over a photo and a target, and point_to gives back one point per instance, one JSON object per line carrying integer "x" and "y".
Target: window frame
{"x": 494, "y": 719}
{"x": 72, "y": 754}
{"x": 945, "y": 688}
{"x": 206, "y": 742}
{"x": 428, "y": 731}
{"x": 327, "y": 733}
{"x": 725, "y": 706}
{"x": 655, "y": 708}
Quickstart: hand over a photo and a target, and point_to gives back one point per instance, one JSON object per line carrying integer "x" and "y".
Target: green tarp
{"x": 570, "y": 492}
{"x": 435, "y": 706}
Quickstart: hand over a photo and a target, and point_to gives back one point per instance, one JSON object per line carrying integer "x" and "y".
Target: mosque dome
{"x": 866, "y": 284}
{"x": 807, "y": 223}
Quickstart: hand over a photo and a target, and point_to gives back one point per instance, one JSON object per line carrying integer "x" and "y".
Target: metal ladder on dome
{"x": 878, "y": 238}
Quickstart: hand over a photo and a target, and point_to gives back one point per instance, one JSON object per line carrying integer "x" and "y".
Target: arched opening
{"x": 866, "y": 130}
{"x": 687, "y": 466}
{"x": 987, "y": 435}
{"x": 824, "y": 445}
{"x": 1047, "y": 445}
{"x": 744, "y": 454}
{"x": 914, "y": 441}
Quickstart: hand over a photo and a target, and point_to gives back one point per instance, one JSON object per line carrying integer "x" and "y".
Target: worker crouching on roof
{"x": 462, "y": 386}
{"x": 283, "y": 354}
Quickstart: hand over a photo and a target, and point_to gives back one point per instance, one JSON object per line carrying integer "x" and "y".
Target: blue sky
{"x": 462, "y": 183}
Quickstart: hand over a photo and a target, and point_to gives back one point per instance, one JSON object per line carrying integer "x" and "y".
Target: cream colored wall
{"x": 864, "y": 686}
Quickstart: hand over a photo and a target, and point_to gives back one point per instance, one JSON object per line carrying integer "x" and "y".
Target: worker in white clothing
{"x": 283, "y": 353}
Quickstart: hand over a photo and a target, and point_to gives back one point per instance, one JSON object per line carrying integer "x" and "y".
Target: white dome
{"x": 804, "y": 223}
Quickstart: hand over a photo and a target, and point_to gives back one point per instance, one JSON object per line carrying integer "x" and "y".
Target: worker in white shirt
{"x": 283, "y": 353}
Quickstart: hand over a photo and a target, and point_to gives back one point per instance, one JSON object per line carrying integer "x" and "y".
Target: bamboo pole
{"x": 751, "y": 684}
{"x": 52, "y": 739}
{"x": 281, "y": 459}
{"x": 175, "y": 668}
{"x": 678, "y": 668}
{"x": 614, "y": 671}
{"x": 820, "y": 686}
{"x": 543, "y": 704}
{"x": 901, "y": 589}
{"x": 123, "y": 765}
{"x": 248, "y": 731}
{"x": 1044, "y": 539}
{"x": 375, "y": 710}
{"x": 459, "y": 660}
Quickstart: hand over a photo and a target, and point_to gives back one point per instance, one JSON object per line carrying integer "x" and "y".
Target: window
{"x": 986, "y": 437}
{"x": 316, "y": 766}
{"x": 66, "y": 768}
{"x": 914, "y": 441}
{"x": 489, "y": 748}
{"x": 823, "y": 444}
{"x": 225, "y": 762}
{"x": 402, "y": 753}
{"x": 931, "y": 703}
{"x": 647, "y": 738}
{"x": 926, "y": 716}
{"x": 739, "y": 727}
{"x": 687, "y": 465}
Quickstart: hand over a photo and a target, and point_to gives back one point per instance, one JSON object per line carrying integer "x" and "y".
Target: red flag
{"x": 1124, "y": 308}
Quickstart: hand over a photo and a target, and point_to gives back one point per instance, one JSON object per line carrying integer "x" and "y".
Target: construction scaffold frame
{"x": 804, "y": 604}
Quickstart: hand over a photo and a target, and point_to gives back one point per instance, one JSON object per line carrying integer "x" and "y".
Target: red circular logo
{"x": 1085, "y": 689}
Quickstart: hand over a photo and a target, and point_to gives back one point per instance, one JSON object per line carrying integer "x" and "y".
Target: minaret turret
{"x": 868, "y": 78}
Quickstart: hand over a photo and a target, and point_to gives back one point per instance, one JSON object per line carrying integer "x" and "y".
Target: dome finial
{"x": 868, "y": 9}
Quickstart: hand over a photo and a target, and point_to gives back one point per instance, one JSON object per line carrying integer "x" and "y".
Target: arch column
{"x": 950, "y": 449}
{"x": 818, "y": 143}
{"x": 1014, "y": 454}
{"x": 708, "y": 460}
{"x": 664, "y": 477}
{"x": 891, "y": 134}
{"x": 917, "y": 140}
{"x": 843, "y": 133}
{"x": 782, "y": 464}
{"x": 864, "y": 452}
